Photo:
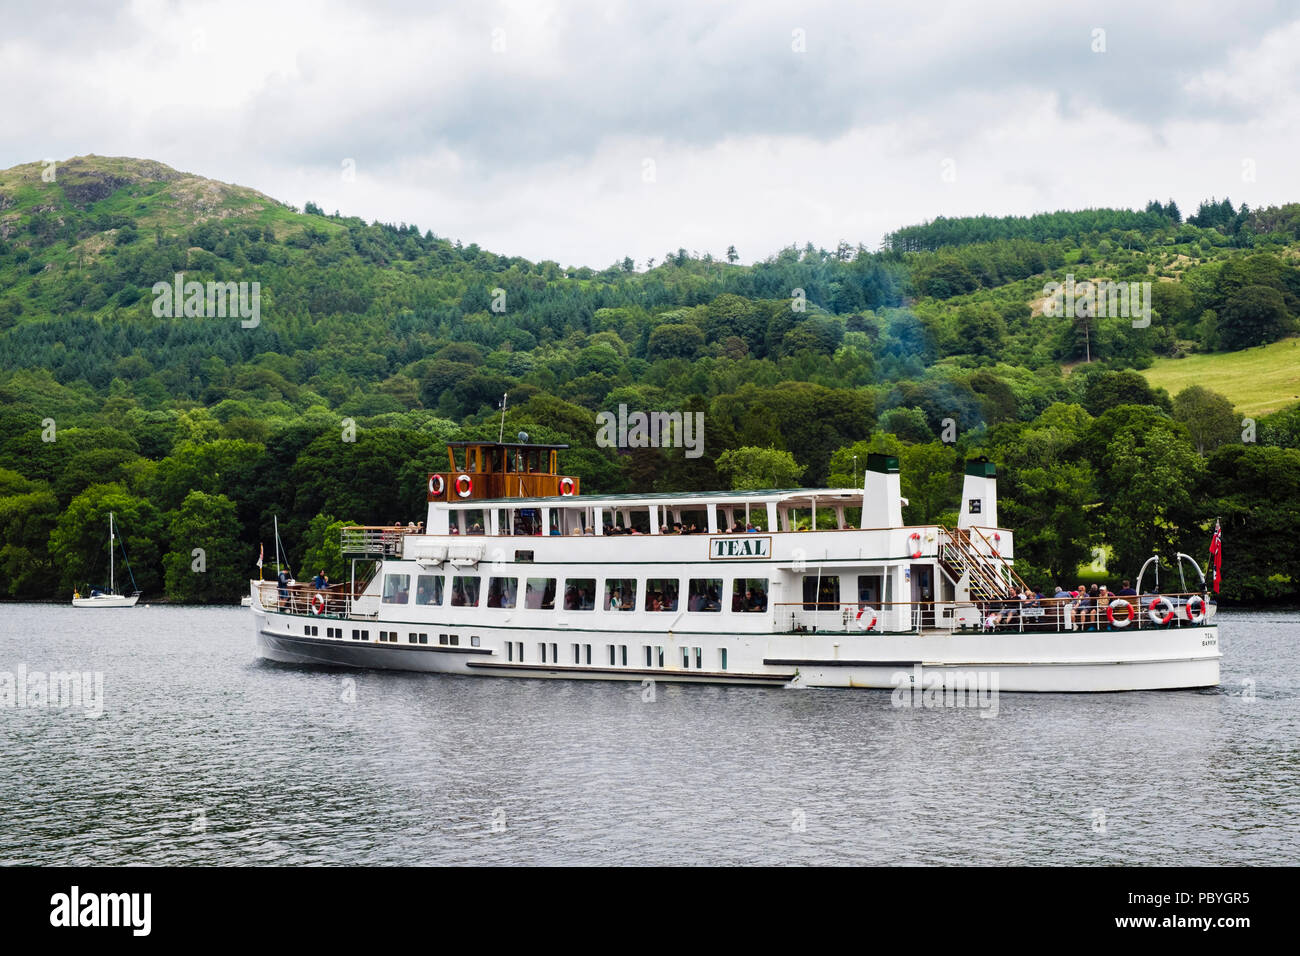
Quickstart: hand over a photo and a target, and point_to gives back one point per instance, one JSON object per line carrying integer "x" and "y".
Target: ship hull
{"x": 1047, "y": 662}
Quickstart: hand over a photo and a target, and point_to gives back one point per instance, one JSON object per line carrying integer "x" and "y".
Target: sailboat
{"x": 101, "y": 597}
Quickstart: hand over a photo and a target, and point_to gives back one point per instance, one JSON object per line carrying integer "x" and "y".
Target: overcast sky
{"x": 586, "y": 132}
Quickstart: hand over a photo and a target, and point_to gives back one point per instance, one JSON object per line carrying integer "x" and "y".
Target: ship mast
{"x": 111, "y": 589}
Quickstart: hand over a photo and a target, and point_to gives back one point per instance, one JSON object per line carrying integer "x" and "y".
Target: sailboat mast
{"x": 111, "y": 589}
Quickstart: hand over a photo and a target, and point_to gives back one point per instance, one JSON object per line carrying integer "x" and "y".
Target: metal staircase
{"x": 989, "y": 576}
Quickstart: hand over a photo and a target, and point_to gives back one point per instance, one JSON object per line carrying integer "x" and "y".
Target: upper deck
{"x": 482, "y": 471}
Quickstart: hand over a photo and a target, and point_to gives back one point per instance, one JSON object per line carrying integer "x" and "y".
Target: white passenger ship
{"x": 517, "y": 574}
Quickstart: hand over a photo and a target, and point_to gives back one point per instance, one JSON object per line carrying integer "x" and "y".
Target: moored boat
{"x": 108, "y": 596}
{"x": 518, "y": 574}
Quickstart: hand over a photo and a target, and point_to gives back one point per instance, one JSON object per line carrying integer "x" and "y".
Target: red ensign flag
{"x": 1216, "y": 555}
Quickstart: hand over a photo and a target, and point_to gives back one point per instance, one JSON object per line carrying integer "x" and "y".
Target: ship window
{"x": 823, "y": 594}
{"x": 612, "y": 659}
{"x": 428, "y": 589}
{"x": 412, "y": 638}
{"x": 649, "y": 656}
{"x": 474, "y": 641}
{"x": 723, "y": 654}
{"x": 749, "y": 594}
{"x": 623, "y": 649}
{"x": 442, "y": 638}
{"x": 503, "y": 592}
{"x": 464, "y": 591}
{"x": 686, "y": 657}
{"x": 577, "y": 653}
{"x": 660, "y": 655}
{"x": 542, "y": 651}
{"x": 555, "y": 653}
{"x": 539, "y": 594}
{"x": 661, "y": 594}
{"x": 869, "y": 588}
{"x": 510, "y": 650}
{"x": 704, "y": 594}
{"x": 455, "y": 639}
{"x": 580, "y": 594}
{"x": 397, "y": 588}
{"x": 587, "y": 647}
{"x": 699, "y": 658}
{"x": 523, "y": 557}
{"x": 620, "y": 594}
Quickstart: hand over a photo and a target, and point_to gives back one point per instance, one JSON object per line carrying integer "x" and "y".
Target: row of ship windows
{"x": 616, "y": 654}
{"x": 546, "y": 653}
{"x": 388, "y": 637}
{"x": 748, "y": 595}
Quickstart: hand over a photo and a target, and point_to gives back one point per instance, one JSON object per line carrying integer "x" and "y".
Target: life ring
{"x": 1155, "y": 616}
{"x": 437, "y": 485}
{"x": 915, "y": 536}
{"x": 863, "y": 612}
{"x": 997, "y": 540}
{"x": 1128, "y": 616}
{"x": 566, "y": 486}
{"x": 317, "y": 604}
{"x": 464, "y": 486}
{"x": 1200, "y": 603}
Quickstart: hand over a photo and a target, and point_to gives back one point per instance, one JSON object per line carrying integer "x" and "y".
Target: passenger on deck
{"x": 321, "y": 581}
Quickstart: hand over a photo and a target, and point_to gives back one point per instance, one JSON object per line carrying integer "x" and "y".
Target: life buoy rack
{"x": 915, "y": 536}
{"x": 1155, "y": 615}
{"x": 464, "y": 486}
{"x": 437, "y": 485}
{"x": 1199, "y": 602}
{"x": 566, "y": 486}
{"x": 866, "y": 617}
{"x": 1128, "y": 615}
{"x": 318, "y": 604}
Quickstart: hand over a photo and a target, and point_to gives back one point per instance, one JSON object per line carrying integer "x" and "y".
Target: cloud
{"x": 527, "y": 127}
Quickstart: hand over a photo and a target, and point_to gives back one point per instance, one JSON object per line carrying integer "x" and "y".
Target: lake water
{"x": 205, "y": 755}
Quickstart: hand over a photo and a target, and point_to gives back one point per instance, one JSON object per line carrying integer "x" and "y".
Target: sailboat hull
{"x": 107, "y": 600}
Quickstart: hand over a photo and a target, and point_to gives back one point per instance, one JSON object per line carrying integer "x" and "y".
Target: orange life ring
{"x": 1200, "y": 602}
{"x": 464, "y": 486}
{"x": 566, "y": 486}
{"x": 1155, "y": 616}
{"x": 317, "y": 603}
{"x": 915, "y": 536}
{"x": 437, "y": 485}
{"x": 1128, "y": 616}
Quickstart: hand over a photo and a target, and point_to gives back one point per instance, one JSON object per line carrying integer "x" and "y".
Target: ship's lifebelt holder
{"x": 914, "y": 539}
{"x": 437, "y": 485}
{"x": 866, "y": 617}
{"x": 464, "y": 486}
{"x": 1199, "y": 602}
{"x": 1126, "y": 620}
{"x": 318, "y": 604}
{"x": 566, "y": 486}
{"x": 1156, "y": 616}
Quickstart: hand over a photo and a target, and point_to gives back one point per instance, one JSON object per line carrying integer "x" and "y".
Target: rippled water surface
{"x": 204, "y": 754}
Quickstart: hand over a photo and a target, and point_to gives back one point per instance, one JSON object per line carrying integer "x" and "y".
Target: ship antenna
{"x": 502, "y": 434}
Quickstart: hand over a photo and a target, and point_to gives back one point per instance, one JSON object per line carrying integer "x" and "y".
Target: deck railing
{"x": 1115, "y": 613}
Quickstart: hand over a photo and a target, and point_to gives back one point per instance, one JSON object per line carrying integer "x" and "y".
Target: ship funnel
{"x": 979, "y": 495}
{"x": 882, "y": 502}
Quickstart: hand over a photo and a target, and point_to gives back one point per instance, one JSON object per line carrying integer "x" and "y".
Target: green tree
{"x": 753, "y": 469}
{"x": 79, "y": 542}
{"x": 207, "y": 563}
{"x": 1255, "y": 315}
{"x": 1210, "y": 419}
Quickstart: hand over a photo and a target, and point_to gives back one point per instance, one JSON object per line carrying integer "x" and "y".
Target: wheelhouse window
{"x": 749, "y": 595}
{"x": 428, "y": 589}
{"x": 539, "y": 594}
{"x": 869, "y": 588}
{"x": 464, "y": 591}
{"x": 397, "y": 588}
{"x": 661, "y": 594}
{"x": 821, "y": 594}
{"x": 580, "y": 594}
{"x": 503, "y": 592}
{"x": 704, "y": 594}
{"x": 620, "y": 594}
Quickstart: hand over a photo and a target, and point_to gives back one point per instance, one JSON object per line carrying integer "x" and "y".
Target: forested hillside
{"x": 196, "y": 431}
